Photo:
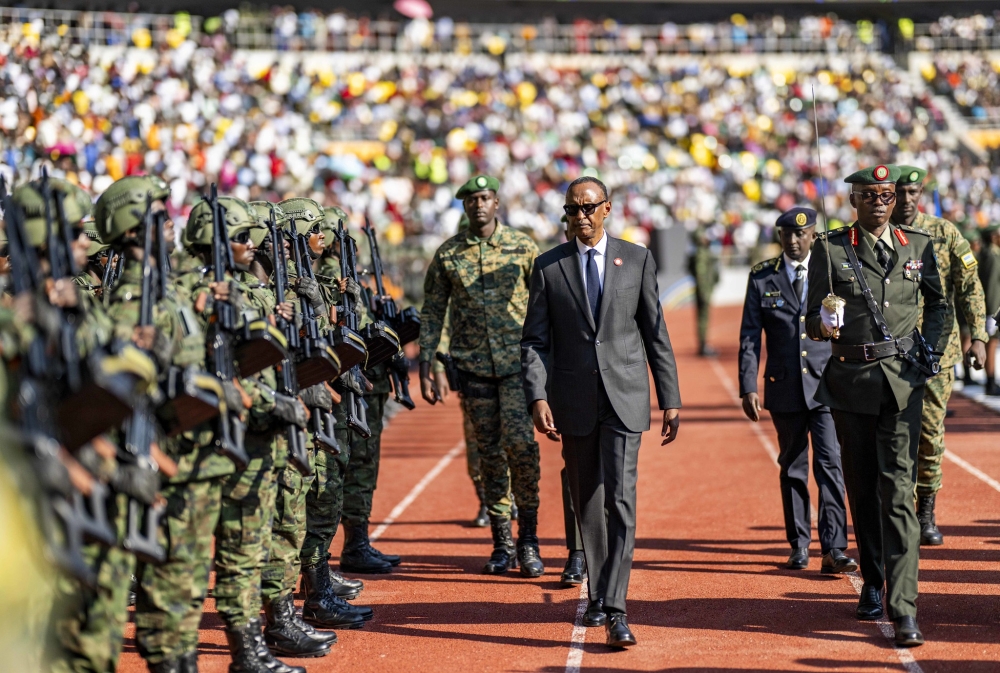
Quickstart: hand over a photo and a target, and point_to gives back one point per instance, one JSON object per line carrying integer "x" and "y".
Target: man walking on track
{"x": 593, "y": 319}
{"x": 775, "y": 305}
{"x": 883, "y": 274}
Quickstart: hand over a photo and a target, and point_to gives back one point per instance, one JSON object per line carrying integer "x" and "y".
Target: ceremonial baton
{"x": 831, "y": 301}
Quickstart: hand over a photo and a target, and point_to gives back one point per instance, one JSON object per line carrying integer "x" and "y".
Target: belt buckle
{"x": 870, "y": 352}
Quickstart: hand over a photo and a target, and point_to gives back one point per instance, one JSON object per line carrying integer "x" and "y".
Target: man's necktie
{"x": 800, "y": 281}
{"x": 883, "y": 255}
{"x": 593, "y": 284}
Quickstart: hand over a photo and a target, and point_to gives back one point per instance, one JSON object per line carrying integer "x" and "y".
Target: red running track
{"x": 708, "y": 592}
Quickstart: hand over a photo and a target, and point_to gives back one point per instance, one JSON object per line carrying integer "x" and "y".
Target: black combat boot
{"x": 504, "y": 555}
{"x": 930, "y": 536}
{"x": 243, "y": 650}
{"x": 345, "y": 587}
{"x": 358, "y": 556}
{"x": 266, "y": 657}
{"x": 284, "y": 636}
{"x": 166, "y": 666}
{"x": 325, "y": 609}
{"x": 482, "y": 519}
{"x": 527, "y": 544}
{"x": 188, "y": 663}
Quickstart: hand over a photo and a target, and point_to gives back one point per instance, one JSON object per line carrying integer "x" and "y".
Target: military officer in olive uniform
{"x": 703, "y": 266}
{"x": 964, "y": 293}
{"x": 775, "y": 306}
{"x": 874, "y": 382}
{"x": 989, "y": 275}
{"x": 482, "y": 273}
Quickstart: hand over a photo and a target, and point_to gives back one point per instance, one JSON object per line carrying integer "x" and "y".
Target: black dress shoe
{"x": 870, "y": 604}
{"x": 619, "y": 634}
{"x": 595, "y": 616}
{"x": 799, "y": 559}
{"x": 907, "y": 632}
{"x": 836, "y": 561}
{"x": 572, "y": 574}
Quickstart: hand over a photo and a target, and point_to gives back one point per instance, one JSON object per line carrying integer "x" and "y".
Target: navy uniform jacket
{"x": 795, "y": 363}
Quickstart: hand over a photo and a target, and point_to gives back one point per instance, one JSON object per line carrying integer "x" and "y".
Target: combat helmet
{"x": 331, "y": 217}
{"x": 122, "y": 206}
{"x": 262, "y": 213}
{"x": 97, "y": 246}
{"x": 305, "y": 213}
{"x": 199, "y": 229}
{"x": 76, "y": 206}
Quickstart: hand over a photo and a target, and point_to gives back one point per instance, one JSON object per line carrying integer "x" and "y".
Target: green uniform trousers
{"x": 243, "y": 536}
{"x": 171, "y": 595}
{"x": 92, "y": 632}
{"x": 325, "y": 500}
{"x": 288, "y": 531}
{"x": 937, "y": 392}
{"x": 879, "y": 454}
{"x": 508, "y": 452}
{"x": 361, "y": 476}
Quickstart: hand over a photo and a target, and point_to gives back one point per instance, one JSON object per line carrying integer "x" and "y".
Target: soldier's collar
{"x": 493, "y": 240}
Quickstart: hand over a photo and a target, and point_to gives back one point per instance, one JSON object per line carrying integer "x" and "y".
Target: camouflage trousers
{"x": 471, "y": 450}
{"x": 361, "y": 476}
{"x": 288, "y": 531}
{"x": 243, "y": 536}
{"x": 92, "y": 632}
{"x": 171, "y": 595}
{"x": 930, "y": 452}
{"x": 325, "y": 500}
{"x": 508, "y": 452}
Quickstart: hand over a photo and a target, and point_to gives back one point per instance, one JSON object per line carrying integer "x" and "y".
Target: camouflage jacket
{"x": 960, "y": 282}
{"x": 485, "y": 283}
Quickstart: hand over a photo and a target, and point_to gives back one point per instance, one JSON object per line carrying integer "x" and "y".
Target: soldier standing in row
{"x": 703, "y": 266}
{"x": 989, "y": 276}
{"x": 885, "y": 276}
{"x": 963, "y": 292}
{"x": 483, "y": 275}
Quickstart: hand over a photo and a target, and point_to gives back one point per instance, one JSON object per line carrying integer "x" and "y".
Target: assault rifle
{"x": 381, "y": 340}
{"x": 288, "y": 385}
{"x": 347, "y": 312}
{"x": 384, "y": 308}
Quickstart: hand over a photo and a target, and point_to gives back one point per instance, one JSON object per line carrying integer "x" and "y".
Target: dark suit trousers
{"x": 794, "y": 429}
{"x": 573, "y": 539}
{"x": 601, "y": 468}
{"x": 879, "y": 456}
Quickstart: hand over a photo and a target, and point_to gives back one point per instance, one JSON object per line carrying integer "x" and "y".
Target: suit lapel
{"x": 611, "y": 272}
{"x": 573, "y": 270}
{"x": 780, "y": 279}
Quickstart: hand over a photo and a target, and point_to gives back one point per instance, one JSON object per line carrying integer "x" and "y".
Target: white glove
{"x": 832, "y": 320}
{"x": 991, "y": 325}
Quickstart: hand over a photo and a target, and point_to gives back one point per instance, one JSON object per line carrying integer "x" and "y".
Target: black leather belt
{"x": 873, "y": 351}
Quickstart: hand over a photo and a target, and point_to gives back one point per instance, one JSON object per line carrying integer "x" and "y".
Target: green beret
{"x": 304, "y": 213}
{"x": 910, "y": 175}
{"x": 199, "y": 229}
{"x": 883, "y": 174}
{"x": 123, "y": 204}
{"x": 76, "y": 206}
{"x": 478, "y": 183}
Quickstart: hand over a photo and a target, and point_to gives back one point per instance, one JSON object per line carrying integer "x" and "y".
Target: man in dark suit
{"x": 594, "y": 321}
{"x": 775, "y": 305}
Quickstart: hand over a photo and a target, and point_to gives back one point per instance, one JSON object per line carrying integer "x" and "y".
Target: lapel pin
{"x": 618, "y": 261}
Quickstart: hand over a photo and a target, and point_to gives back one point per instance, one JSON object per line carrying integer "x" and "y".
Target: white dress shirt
{"x": 790, "y": 265}
{"x": 600, "y": 257}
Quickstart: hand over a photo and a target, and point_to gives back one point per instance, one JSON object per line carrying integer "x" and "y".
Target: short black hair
{"x": 589, "y": 178}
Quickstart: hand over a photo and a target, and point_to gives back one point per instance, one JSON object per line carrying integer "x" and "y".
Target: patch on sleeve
{"x": 969, "y": 260}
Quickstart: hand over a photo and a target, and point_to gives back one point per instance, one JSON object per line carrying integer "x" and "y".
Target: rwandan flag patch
{"x": 969, "y": 260}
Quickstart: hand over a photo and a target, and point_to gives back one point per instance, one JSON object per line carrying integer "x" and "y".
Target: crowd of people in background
{"x": 695, "y": 142}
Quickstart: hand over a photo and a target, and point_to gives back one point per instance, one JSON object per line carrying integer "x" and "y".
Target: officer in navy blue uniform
{"x": 776, "y": 305}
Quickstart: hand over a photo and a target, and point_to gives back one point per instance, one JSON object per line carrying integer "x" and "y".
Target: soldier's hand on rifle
{"x": 63, "y": 293}
{"x": 285, "y": 310}
{"x": 291, "y": 410}
{"x": 144, "y": 337}
{"x": 428, "y": 388}
{"x": 354, "y": 290}
{"x": 441, "y": 380}
{"x": 309, "y": 288}
{"x": 342, "y": 285}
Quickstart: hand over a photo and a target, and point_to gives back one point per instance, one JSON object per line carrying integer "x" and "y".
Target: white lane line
{"x": 972, "y": 469}
{"x": 904, "y": 655}
{"x": 579, "y": 635}
{"x": 415, "y": 492}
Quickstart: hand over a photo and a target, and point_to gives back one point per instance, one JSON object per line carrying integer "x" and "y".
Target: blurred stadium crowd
{"x": 682, "y": 140}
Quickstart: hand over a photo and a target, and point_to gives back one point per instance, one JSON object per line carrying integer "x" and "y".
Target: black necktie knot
{"x": 593, "y": 284}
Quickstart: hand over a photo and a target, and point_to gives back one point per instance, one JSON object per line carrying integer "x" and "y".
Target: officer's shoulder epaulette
{"x": 766, "y": 264}
{"x": 835, "y": 232}
{"x": 914, "y": 230}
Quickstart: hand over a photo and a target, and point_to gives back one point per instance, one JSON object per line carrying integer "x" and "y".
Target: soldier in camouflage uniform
{"x": 960, "y": 281}
{"x": 704, "y": 267}
{"x": 170, "y": 595}
{"x": 312, "y": 508}
{"x": 483, "y": 275}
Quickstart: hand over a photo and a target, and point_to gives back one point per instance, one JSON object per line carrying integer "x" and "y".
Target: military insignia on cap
{"x": 618, "y": 261}
{"x": 881, "y": 172}
{"x": 801, "y": 219}
{"x": 914, "y": 176}
{"x": 480, "y": 181}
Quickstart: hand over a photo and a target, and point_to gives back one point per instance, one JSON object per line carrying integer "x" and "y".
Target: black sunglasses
{"x": 242, "y": 237}
{"x": 587, "y": 208}
{"x": 871, "y": 197}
